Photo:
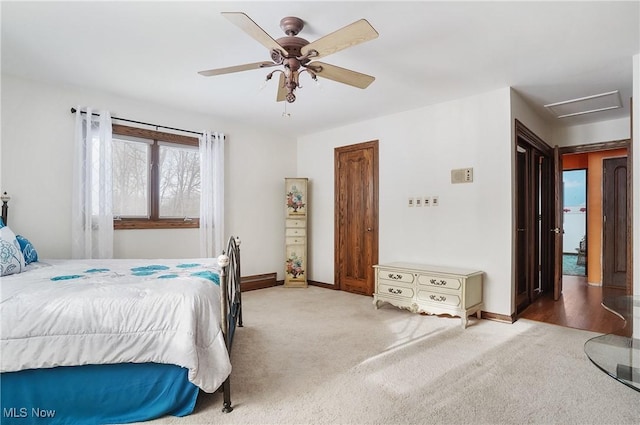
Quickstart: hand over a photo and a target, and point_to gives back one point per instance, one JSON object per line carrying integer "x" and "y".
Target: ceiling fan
{"x": 295, "y": 54}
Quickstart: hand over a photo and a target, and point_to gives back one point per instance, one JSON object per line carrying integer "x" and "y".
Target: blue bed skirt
{"x": 96, "y": 394}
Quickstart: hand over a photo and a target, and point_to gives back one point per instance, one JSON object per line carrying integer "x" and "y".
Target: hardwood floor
{"x": 579, "y": 307}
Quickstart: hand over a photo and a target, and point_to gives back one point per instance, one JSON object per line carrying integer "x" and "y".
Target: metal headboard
{"x": 5, "y": 208}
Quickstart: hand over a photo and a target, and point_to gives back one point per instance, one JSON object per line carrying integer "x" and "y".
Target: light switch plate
{"x": 418, "y": 202}
{"x": 410, "y": 202}
{"x": 435, "y": 201}
{"x": 427, "y": 201}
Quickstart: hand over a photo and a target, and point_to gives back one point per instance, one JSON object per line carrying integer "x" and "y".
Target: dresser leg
{"x": 465, "y": 321}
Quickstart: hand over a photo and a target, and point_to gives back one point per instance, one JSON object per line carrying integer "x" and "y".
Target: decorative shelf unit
{"x": 297, "y": 206}
{"x": 429, "y": 289}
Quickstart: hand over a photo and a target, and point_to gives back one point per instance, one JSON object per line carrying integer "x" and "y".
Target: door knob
{"x": 555, "y": 230}
{"x": 368, "y": 229}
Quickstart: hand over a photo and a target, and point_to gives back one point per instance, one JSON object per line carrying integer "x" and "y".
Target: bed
{"x": 114, "y": 341}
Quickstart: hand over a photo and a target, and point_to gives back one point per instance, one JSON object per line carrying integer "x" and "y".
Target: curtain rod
{"x": 73, "y": 111}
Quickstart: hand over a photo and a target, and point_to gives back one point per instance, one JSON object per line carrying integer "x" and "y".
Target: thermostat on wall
{"x": 462, "y": 175}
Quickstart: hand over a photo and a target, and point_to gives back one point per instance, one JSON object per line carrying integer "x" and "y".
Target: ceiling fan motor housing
{"x": 292, "y": 45}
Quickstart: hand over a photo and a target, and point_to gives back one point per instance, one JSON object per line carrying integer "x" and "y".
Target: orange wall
{"x": 592, "y": 161}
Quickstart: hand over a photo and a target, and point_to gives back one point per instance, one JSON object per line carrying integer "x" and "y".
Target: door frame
{"x": 604, "y": 146}
{"x": 540, "y": 260}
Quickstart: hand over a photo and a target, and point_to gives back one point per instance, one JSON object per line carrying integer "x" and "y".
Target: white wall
{"x": 37, "y": 141}
{"x": 472, "y": 226}
{"x": 604, "y": 131}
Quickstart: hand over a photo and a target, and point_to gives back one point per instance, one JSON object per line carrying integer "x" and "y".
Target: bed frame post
{"x": 5, "y": 208}
{"x": 238, "y": 281}
{"x": 223, "y": 262}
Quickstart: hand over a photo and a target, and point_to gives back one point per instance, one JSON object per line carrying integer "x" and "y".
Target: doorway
{"x": 356, "y": 217}
{"x": 574, "y": 213}
{"x": 534, "y": 217}
{"x": 580, "y": 304}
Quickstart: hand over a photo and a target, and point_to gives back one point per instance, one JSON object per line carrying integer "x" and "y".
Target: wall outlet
{"x": 435, "y": 201}
{"x": 427, "y": 201}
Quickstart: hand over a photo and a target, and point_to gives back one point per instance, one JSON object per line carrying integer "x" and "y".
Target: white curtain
{"x": 211, "y": 194}
{"x": 92, "y": 210}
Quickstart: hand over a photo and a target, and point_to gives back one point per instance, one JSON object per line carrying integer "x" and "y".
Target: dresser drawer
{"x": 300, "y": 240}
{"x": 395, "y": 275}
{"x": 295, "y": 232}
{"x": 439, "y": 298}
{"x": 389, "y": 289}
{"x": 439, "y": 282}
{"x": 290, "y": 222}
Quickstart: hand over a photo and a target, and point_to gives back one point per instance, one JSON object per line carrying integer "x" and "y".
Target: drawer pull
{"x": 442, "y": 282}
{"x": 439, "y": 298}
{"x": 395, "y": 291}
{"x": 395, "y": 276}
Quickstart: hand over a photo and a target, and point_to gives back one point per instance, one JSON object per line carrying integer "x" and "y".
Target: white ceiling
{"x": 427, "y": 53}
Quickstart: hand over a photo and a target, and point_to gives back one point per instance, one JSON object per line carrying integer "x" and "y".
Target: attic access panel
{"x": 586, "y": 105}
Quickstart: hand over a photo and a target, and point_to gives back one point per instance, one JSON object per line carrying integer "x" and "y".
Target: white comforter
{"x": 115, "y": 311}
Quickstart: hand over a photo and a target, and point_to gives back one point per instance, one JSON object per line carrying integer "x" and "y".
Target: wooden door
{"x": 558, "y": 228}
{"x": 614, "y": 209}
{"x": 534, "y": 217}
{"x": 356, "y": 217}
{"x": 522, "y": 252}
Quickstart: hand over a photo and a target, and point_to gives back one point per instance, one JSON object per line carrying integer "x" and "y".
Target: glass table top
{"x": 617, "y": 355}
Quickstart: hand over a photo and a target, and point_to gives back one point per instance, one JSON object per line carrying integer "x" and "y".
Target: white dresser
{"x": 423, "y": 288}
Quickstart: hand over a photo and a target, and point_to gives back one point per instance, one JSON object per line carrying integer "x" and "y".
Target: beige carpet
{"x": 318, "y": 356}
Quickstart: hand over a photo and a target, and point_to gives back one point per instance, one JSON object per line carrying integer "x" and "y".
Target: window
{"x": 156, "y": 179}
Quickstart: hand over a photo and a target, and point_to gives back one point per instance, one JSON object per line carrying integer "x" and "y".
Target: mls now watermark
{"x": 23, "y": 412}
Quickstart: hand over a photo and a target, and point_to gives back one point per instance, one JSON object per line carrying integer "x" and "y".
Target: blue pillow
{"x": 28, "y": 251}
{"x": 1, "y": 223}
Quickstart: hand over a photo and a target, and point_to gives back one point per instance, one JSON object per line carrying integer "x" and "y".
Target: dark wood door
{"x": 534, "y": 218}
{"x": 356, "y": 217}
{"x": 614, "y": 208}
{"x": 522, "y": 253}
{"x": 558, "y": 227}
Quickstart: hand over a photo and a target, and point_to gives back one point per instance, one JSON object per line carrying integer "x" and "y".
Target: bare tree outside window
{"x": 179, "y": 181}
{"x": 130, "y": 178}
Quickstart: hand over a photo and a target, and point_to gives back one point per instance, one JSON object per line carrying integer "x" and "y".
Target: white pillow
{"x": 11, "y": 258}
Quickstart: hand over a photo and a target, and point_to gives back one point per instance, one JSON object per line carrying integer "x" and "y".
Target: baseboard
{"x": 498, "y": 317}
{"x": 321, "y": 285}
{"x": 258, "y": 281}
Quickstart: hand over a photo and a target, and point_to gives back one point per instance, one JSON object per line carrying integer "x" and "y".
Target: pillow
{"x": 11, "y": 258}
{"x": 28, "y": 251}
{"x": 1, "y": 223}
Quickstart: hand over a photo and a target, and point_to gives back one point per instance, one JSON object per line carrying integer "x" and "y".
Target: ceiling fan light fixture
{"x": 293, "y": 53}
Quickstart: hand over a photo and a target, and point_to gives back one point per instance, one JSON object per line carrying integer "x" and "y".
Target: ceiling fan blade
{"x": 282, "y": 90}
{"x": 237, "y": 68}
{"x": 342, "y": 75}
{"x": 247, "y": 24}
{"x": 355, "y": 33}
